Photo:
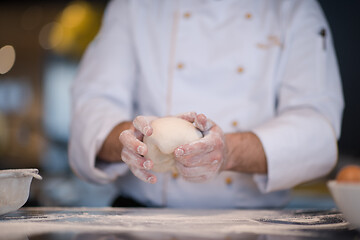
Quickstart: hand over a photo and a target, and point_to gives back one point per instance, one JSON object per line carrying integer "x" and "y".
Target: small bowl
{"x": 347, "y": 198}
{"x": 15, "y": 187}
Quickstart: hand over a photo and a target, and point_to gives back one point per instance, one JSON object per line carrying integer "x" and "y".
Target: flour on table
{"x": 163, "y": 223}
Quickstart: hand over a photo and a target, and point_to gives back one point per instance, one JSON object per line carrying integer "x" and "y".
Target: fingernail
{"x": 179, "y": 152}
{"x": 215, "y": 162}
{"x": 146, "y": 130}
{"x": 151, "y": 179}
{"x": 140, "y": 150}
{"x": 147, "y": 165}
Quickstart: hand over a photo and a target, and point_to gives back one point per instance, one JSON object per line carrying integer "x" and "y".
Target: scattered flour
{"x": 153, "y": 223}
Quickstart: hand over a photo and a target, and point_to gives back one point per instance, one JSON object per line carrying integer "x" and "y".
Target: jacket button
{"x": 187, "y": 15}
{"x": 175, "y": 175}
{"x": 228, "y": 181}
{"x": 234, "y": 123}
{"x": 248, "y": 15}
{"x": 240, "y": 69}
{"x": 180, "y": 66}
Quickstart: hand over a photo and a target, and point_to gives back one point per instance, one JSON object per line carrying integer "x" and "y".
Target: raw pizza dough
{"x": 168, "y": 134}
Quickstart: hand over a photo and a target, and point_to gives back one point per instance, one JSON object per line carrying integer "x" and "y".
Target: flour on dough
{"x": 168, "y": 134}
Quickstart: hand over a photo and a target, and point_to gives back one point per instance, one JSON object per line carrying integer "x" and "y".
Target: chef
{"x": 259, "y": 79}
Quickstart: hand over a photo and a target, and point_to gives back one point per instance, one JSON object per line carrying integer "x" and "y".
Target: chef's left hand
{"x": 202, "y": 160}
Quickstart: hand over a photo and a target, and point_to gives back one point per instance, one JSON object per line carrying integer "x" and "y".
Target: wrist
{"x": 111, "y": 148}
{"x": 244, "y": 153}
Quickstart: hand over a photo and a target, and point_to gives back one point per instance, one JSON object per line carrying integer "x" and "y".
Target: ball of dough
{"x": 168, "y": 134}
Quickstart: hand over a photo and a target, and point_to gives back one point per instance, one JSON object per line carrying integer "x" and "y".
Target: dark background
{"x": 344, "y": 20}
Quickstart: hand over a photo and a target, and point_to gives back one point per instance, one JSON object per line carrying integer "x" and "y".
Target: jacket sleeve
{"x": 102, "y": 94}
{"x": 300, "y": 142}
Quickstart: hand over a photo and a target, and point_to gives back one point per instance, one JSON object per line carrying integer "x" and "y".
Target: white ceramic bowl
{"x": 15, "y": 187}
{"x": 347, "y": 199}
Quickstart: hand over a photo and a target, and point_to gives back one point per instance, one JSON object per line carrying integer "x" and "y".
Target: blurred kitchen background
{"x": 41, "y": 43}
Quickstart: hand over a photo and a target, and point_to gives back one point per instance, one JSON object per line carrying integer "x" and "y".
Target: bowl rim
{"x": 336, "y": 184}
{"x": 25, "y": 172}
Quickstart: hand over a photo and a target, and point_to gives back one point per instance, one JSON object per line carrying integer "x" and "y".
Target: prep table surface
{"x": 140, "y": 223}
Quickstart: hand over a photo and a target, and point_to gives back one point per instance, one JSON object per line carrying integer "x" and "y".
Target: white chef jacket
{"x": 264, "y": 66}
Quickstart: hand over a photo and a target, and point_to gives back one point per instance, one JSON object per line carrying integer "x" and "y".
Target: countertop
{"x": 149, "y": 223}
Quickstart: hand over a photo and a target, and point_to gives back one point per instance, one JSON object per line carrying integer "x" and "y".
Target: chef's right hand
{"x": 134, "y": 149}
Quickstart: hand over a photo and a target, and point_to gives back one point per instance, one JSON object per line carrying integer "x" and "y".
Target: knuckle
{"x": 184, "y": 171}
{"x": 138, "y": 122}
{"x": 123, "y": 135}
{"x": 187, "y": 161}
{"x": 199, "y": 146}
{"x": 138, "y": 119}
{"x": 190, "y": 161}
{"x": 131, "y": 158}
{"x": 139, "y": 162}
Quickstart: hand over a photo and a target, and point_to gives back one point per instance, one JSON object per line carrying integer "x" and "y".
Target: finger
{"x": 203, "y": 123}
{"x": 138, "y": 134}
{"x": 193, "y": 172}
{"x": 198, "y": 179}
{"x": 142, "y": 123}
{"x": 189, "y": 116}
{"x": 128, "y": 140}
{"x": 206, "y": 144}
{"x": 211, "y": 158}
{"x": 133, "y": 159}
{"x": 143, "y": 175}
{"x": 201, "y": 146}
